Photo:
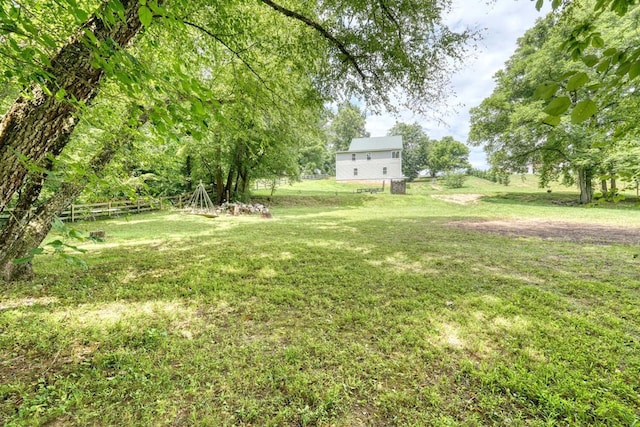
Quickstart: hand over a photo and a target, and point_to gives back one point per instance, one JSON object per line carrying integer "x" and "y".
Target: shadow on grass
{"x": 309, "y": 254}
{"x": 557, "y": 199}
{"x": 322, "y": 200}
{"x": 363, "y": 308}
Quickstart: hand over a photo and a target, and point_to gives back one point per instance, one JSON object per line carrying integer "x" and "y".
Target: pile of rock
{"x": 239, "y": 208}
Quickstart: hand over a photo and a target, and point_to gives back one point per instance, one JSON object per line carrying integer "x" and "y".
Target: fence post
{"x": 73, "y": 216}
{"x": 109, "y": 208}
{"x": 138, "y": 205}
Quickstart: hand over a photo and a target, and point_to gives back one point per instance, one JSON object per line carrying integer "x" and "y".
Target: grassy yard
{"x": 343, "y": 309}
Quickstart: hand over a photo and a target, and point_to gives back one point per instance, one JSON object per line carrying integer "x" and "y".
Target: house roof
{"x": 379, "y": 143}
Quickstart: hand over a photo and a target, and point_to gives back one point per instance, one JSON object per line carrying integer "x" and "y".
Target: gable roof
{"x": 379, "y": 143}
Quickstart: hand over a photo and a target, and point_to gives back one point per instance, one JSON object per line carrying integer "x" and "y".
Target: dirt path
{"x": 555, "y": 230}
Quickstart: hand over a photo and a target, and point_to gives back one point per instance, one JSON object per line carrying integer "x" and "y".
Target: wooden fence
{"x": 314, "y": 177}
{"x": 268, "y": 183}
{"x": 114, "y": 208}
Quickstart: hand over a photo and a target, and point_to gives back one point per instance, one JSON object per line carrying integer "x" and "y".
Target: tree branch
{"x": 392, "y": 18}
{"x": 540, "y": 148}
{"x": 323, "y": 32}
{"x": 236, "y": 54}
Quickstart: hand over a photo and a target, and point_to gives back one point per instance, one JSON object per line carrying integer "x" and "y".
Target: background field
{"x": 343, "y": 309}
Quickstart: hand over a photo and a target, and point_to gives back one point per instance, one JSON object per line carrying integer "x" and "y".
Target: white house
{"x": 371, "y": 159}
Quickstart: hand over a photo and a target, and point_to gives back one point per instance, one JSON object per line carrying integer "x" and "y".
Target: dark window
{"x": 368, "y": 156}
{"x": 384, "y": 171}
{"x": 355, "y": 171}
{"x": 353, "y": 157}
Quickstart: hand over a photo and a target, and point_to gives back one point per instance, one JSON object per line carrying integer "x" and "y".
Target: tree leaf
{"x": 60, "y": 94}
{"x": 634, "y": 71}
{"x": 623, "y": 69}
{"x": 590, "y": 60}
{"x": 558, "y": 106}
{"x": 552, "y": 120}
{"x": 539, "y": 4}
{"x": 604, "y": 65}
{"x": 36, "y": 251}
{"x": 567, "y": 75}
{"x": 197, "y": 108}
{"x": 610, "y": 52}
{"x": 583, "y": 110}
{"x": 79, "y": 14}
{"x": 57, "y": 245}
{"x": 546, "y": 90}
{"x": 597, "y": 42}
{"x": 577, "y": 81}
{"x": 145, "y": 15}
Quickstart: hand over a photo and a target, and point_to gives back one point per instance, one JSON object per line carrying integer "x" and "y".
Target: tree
{"x": 588, "y": 45}
{"x": 447, "y": 155}
{"x": 348, "y": 123}
{"x": 28, "y": 227}
{"x": 518, "y": 130}
{"x": 415, "y": 148}
{"x": 343, "y": 57}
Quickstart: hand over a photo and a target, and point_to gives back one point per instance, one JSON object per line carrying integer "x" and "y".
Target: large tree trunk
{"x": 35, "y": 123}
{"x": 229, "y": 184}
{"x": 585, "y": 178}
{"x": 14, "y": 242}
{"x": 27, "y": 228}
{"x": 245, "y": 183}
{"x": 219, "y": 185}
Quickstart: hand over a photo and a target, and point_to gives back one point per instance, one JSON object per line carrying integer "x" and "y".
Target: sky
{"x": 502, "y": 22}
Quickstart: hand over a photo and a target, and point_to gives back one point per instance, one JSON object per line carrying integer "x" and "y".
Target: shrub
{"x": 454, "y": 180}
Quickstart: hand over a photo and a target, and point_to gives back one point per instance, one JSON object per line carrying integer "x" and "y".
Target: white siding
{"x": 368, "y": 169}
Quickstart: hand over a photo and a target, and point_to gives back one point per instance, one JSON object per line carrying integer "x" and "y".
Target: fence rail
{"x": 315, "y": 176}
{"x": 114, "y": 208}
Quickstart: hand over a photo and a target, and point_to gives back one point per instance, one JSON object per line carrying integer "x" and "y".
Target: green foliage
{"x": 415, "y": 148}
{"x": 237, "y": 87}
{"x": 613, "y": 56}
{"x": 583, "y": 110}
{"x": 447, "y": 155}
{"x": 454, "y": 180}
{"x": 567, "y": 128}
{"x": 347, "y": 123}
{"x": 479, "y": 173}
{"x": 60, "y": 246}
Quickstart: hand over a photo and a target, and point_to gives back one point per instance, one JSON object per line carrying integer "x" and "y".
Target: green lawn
{"x": 343, "y": 309}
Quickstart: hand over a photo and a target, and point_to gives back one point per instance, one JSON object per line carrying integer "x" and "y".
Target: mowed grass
{"x": 343, "y": 310}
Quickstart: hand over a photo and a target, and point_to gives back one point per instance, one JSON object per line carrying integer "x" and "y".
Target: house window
{"x": 395, "y": 154}
{"x": 384, "y": 170}
{"x": 368, "y": 156}
{"x": 355, "y": 171}
{"x": 353, "y": 157}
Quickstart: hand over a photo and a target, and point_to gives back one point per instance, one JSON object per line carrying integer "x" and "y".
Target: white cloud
{"x": 502, "y": 22}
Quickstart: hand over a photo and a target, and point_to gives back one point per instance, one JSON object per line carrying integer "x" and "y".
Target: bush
{"x": 454, "y": 180}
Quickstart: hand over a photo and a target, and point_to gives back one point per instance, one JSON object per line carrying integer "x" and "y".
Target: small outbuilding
{"x": 371, "y": 159}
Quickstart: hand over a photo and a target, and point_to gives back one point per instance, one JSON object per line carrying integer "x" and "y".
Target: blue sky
{"x": 502, "y": 22}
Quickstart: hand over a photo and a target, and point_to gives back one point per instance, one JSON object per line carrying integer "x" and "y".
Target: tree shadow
{"x": 557, "y": 199}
